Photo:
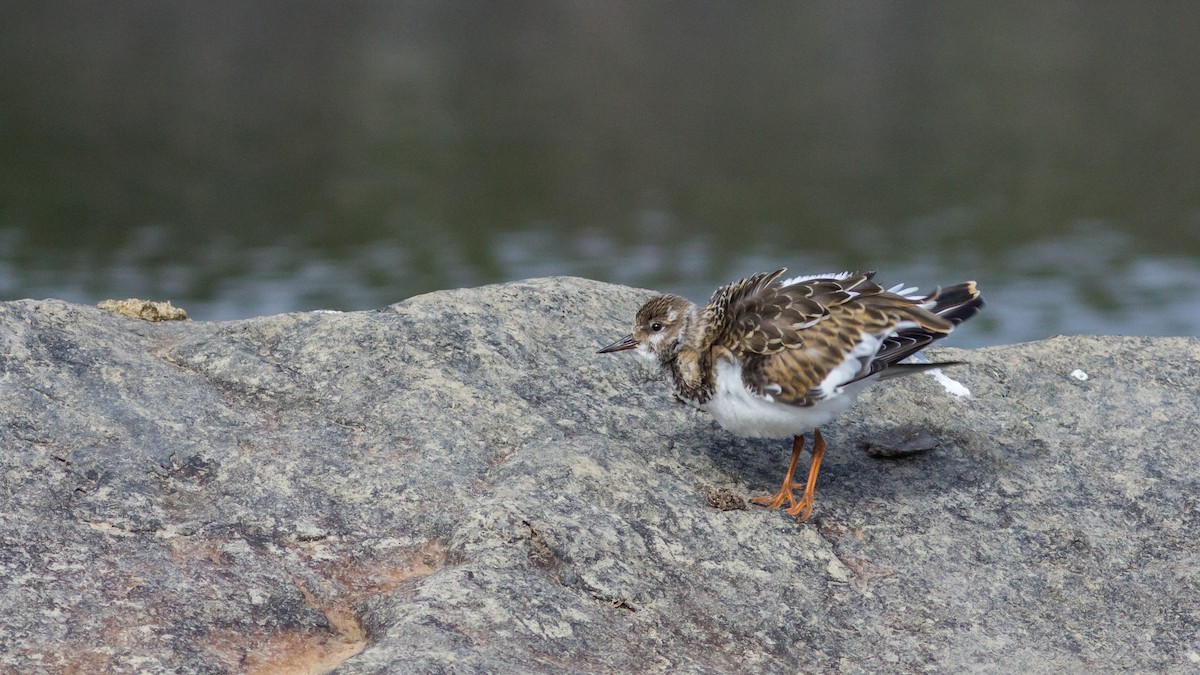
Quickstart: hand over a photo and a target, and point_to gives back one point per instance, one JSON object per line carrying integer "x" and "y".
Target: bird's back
{"x": 802, "y": 340}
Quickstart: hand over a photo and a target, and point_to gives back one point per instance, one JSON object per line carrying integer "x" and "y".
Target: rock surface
{"x": 459, "y": 483}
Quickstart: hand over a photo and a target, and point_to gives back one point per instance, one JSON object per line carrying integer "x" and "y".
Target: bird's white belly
{"x": 747, "y": 414}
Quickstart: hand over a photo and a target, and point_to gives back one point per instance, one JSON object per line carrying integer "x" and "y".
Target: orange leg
{"x": 786, "y": 491}
{"x": 805, "y": 507}
{"x": 802, "y": 507}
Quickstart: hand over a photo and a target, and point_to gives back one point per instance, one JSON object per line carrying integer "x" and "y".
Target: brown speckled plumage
{"x": 791, "y": 336}
{"x": 794, "y": 346}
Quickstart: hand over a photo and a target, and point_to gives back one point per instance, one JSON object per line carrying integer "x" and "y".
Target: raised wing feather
{"x": 775, "y": 318}
{"x": 792, "y": 337}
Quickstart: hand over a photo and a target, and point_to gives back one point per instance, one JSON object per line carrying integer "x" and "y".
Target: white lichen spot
{"x": 952, "y": 386}
{"x": 1079, "y": 375}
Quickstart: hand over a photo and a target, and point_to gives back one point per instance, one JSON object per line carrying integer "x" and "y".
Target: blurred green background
{"x": 245, "y": 158}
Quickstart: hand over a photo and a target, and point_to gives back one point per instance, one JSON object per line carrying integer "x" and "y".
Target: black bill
{"x": 624, "y": 343}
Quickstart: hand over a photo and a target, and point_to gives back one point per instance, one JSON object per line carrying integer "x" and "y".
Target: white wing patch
{"x": 866, "y": 349}
{"x": 910, "y": 292}
{"x": 837, "y": 276}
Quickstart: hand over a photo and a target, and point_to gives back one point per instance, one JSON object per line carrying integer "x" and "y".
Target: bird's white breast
{"x": 745, "y": 413}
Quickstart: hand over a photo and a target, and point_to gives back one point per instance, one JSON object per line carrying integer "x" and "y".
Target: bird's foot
{"x": 800, "y": 508}
{"x": 787, "y": 492}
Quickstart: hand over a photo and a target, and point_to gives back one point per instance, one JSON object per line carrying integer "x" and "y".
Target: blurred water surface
{"x": 245, "y": 158}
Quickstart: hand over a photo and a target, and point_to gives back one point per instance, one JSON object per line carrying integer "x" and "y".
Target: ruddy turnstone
{"x": 771, "y": 358}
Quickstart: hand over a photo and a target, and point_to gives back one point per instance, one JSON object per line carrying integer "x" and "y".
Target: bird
{"x": 773, "y": 358}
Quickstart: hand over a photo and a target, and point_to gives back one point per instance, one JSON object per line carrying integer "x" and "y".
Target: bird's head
{"x": 661, "y": 328}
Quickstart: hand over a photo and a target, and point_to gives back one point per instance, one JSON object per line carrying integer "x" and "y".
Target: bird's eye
{"x": 656, "y": 326}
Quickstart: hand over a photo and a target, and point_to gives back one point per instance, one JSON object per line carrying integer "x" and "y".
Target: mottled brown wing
{"x": 727, "y": 301}
{"x": 776, "y": 317}
{"x": 796, "y": 360}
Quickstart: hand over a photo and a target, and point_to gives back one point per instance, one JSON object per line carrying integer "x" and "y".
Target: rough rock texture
{"x": 459, "y": 483}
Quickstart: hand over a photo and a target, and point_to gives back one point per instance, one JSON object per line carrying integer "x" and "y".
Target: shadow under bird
{"x": 774, "y": 358}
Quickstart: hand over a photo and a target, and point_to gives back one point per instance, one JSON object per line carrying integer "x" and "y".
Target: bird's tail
{"x": 958, "y": 302}
{"x": 955, "y": 304}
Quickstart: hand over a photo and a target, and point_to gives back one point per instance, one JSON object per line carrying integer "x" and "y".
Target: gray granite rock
{"x": 458, "y": 483}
